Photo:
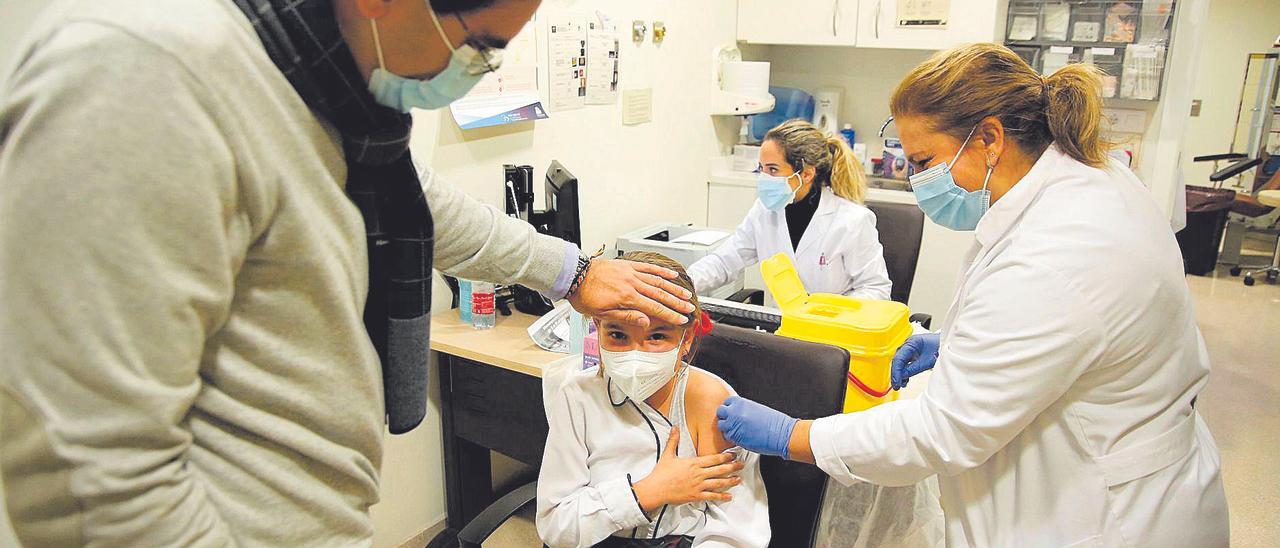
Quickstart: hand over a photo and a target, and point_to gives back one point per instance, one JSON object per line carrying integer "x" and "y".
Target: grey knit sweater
{"x": 182, "y": 357}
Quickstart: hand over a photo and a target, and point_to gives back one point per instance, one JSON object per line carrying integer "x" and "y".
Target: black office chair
{"x": 802, "y": 379}
{"x": 901, "y": 228}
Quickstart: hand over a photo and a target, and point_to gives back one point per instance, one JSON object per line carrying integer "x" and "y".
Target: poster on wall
{"x": 566, "y": 61}
{"x": 509, "y": 94}
{"x": 602, "y": 63}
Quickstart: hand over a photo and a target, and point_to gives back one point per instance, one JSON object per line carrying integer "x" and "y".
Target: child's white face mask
{"x": 638, "y": 373}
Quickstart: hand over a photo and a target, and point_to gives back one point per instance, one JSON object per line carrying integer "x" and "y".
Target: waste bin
{"x": 1207, "y": 210}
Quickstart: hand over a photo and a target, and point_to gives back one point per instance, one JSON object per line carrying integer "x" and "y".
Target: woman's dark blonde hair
{"x": 683, "y": 280}
{"x": 958, "y": 88}
{"x": 803, "y": 144}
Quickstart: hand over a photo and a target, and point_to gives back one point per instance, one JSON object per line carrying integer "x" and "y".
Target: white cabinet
{"x": 798, "y": 22}
{"x": 969, "y": 21}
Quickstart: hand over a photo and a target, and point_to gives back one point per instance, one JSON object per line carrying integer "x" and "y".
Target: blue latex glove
{"x": 755, "y": 426}
{"x": 916, "y": 355}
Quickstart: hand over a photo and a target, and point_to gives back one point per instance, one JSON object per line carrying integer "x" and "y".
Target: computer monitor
{"x": 561, "y": 217}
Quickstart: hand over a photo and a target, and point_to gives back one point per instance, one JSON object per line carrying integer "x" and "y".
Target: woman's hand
{"x": 915, "y": 356}
{"x": 631, "y": 292}
{"x": 676, "y": 480}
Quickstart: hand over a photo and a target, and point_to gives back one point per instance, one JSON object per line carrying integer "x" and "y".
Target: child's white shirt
{"x": 600, "y": 442}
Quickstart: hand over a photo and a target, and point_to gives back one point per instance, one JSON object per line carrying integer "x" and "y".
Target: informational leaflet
{"x": 567, "y": 61}
{"x": 602, "y": 63}
{"x": 509, "y": 94}
{"x": 1086, "y": 31}
{"x": 1023, "y": 27}
{"x": 923, "y": 13}
{"x": 1056, "y": 19}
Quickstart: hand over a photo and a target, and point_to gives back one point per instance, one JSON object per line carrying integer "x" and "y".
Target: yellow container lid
{"x": 866, "y": 328}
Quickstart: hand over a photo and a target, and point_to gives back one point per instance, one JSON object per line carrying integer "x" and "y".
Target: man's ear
{"x": 373, "y": 9}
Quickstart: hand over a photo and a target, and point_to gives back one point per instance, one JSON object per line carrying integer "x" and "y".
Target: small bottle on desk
{"x": 482, "y": 312}
{"x": 464, "y": 300}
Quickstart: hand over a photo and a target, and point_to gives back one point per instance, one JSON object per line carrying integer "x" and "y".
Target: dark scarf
{"x": 303, "y": 40}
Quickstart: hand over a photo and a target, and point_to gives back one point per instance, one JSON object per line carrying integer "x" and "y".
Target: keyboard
{"x": 737, "y": 314}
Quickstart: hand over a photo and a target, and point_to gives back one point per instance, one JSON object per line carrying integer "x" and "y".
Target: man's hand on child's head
{"x": 680, "y": 480}
{"x": 631, "y": 292}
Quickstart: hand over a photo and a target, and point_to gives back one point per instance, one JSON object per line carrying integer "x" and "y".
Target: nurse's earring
{"x": 992, "y": 160}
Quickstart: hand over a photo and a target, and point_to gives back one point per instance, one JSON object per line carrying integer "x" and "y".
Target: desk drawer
{"x": 499, "y": 409}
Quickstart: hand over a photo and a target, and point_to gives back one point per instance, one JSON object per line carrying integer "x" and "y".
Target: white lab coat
{"x": 596, "y": 449}
{"x": 1059, "y": 412}
{"x": 839, "y": 252}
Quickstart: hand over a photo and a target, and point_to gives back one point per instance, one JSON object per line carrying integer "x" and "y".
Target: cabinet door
{"x": 969, "y": 21}
{"x": 799, "y": 22}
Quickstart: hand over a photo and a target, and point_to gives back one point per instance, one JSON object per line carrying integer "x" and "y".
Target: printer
{"x": 683, "y": 243}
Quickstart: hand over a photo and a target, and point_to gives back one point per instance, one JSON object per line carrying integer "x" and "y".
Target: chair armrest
{"x": 748, "y": 296}
{"x": 1234, "y": 169}
{"x": 492, "y": 517}
{"x": 923, "y": 319}
{"x": 1216, "y": 157}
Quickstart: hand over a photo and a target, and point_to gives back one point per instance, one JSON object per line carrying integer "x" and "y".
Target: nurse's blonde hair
{"x": 803, "y": 144}
{"x": 957, "y": 88}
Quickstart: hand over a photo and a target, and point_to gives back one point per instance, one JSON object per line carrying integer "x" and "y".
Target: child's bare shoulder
{"x": 703, "y": 394}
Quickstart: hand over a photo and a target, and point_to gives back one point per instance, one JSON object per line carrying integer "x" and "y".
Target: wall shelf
{"x": 1127, "y": 39}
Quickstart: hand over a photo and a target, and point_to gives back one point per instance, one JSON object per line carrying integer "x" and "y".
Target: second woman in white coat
{"x": 810, "y": 192}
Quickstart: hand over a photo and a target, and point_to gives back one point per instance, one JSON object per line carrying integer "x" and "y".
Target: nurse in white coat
{"x": 1060, "y": 409}
{"x": 810, "y": 207}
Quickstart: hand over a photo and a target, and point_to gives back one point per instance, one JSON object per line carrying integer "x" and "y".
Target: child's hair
{"x": 683, "y": 280}
{"x": 803, "y": 144}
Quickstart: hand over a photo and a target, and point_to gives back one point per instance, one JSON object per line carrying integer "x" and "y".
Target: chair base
{"x": 1271, "y": 273}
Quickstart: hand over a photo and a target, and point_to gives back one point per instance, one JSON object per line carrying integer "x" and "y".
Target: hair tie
{"x": 704, "y": 324}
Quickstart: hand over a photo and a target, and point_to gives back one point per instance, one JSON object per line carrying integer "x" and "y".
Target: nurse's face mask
{"x": 467, "y": 65}
{"x": 945, "y": 202}
{"x": 774, "y": 191}
{"x": 640, "y": 360}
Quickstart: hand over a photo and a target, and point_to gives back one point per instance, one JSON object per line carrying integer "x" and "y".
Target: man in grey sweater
{"x": 183, "y": 277}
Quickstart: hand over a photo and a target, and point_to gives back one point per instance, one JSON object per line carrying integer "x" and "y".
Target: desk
{"x": 491, "y": 399}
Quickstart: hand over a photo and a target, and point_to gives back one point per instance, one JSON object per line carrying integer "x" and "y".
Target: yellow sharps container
{"x": 870, "y": 330}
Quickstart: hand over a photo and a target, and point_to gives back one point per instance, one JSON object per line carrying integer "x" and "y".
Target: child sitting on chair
{"x": 634, "y": 458}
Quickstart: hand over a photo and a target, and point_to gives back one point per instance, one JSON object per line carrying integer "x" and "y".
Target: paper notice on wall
{"x": 566, "y": 61}
{"x": 602, "y": 63}
{"x": 637, "y": 106}
{"x": 509, "y": 94}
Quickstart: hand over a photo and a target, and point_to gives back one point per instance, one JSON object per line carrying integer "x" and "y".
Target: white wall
{"x": 1234, "y": 29}
{"x": 868, "y": 77}
{"x": 628, "y": 176}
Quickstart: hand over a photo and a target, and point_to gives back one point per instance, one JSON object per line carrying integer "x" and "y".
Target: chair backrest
{"x": 801, "y": 379}
{"x": 900, "y": 226}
